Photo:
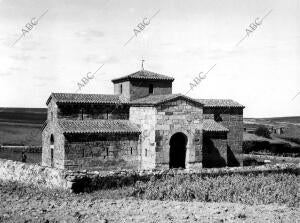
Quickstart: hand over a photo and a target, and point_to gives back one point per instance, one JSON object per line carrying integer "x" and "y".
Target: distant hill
{"x": 289, "y": 119}
{"x": 23, "y": 115}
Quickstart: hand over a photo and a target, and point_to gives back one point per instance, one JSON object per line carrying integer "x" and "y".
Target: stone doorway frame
{"x": 185, "y": 147}
{"x": 189, "y": 144}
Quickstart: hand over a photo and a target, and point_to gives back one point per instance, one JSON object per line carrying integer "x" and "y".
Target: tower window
{"x": 121, "y": 88}
{"x": 151, "y": 89}
{"x": 81, "y": 114}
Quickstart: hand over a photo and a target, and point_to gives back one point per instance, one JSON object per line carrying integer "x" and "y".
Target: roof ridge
{"x": 144, "y": 74}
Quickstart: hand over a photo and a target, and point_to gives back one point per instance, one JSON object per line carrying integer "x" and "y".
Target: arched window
{"x": 151, "y": 89}
{"x": 52, "y": 150}
{"x": 51, "y": 140}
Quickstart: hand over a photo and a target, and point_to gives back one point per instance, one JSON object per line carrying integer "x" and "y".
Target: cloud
{"x": 111, "y": 60}
{"x": 2, "y": 74}
{"x": 106, "y": 60}
{"x": 28, "y": 45}
{"x": 15, "y": 68}
{"x": 45, "y": 78}
{"x": 11, "y": 71}
{"x": 89, "y": 34}
{"x": 21, "y": 57}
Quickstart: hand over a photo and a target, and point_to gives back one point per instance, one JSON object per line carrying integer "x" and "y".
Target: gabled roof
{"x": 87, "y": 98}
{"x": 210, "y": 125}
{"x": 98, "y": 126}
{"x": 143, "y": 75}
{"x": 220, "y": 103}
{"x": 153, "y": 100}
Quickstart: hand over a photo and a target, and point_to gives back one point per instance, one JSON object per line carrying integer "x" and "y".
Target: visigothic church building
{"x": 141, "y": 126}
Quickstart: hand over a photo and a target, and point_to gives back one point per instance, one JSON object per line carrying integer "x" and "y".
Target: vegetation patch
{"x": 247, "y": 189}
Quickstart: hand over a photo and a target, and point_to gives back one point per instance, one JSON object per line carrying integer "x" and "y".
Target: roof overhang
{"x": 210, "y": 125}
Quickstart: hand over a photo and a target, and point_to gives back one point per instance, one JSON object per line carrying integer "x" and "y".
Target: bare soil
{"x": 26, "y": 204}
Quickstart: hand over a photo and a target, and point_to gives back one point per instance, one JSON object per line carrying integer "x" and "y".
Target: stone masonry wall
{"x": 31, "y": 174}
{"x": 52, "y": 129}
{"x": 214, "y": 149}
{"x": 145, "y": 118}
{"x": 179, "y": 116}
{"x": 125, "y": 89}
{"x": 90, "y": 111}
{"x": 139, "y": 89}
{"x": 44, "y": 177}
{"x": 105, "y": 152}
{"x": 233, "y": 120}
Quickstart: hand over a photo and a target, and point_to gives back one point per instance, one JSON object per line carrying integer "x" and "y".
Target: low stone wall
{"x": 83, "y": 181}
{"x": 31, "y": 174}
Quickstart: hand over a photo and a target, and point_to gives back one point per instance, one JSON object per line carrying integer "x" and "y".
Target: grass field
{"x": 17, "y": 156}
{"x": 20, "y": 134}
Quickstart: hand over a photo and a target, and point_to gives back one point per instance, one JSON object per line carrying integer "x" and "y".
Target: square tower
{"x": 142, "y": 84}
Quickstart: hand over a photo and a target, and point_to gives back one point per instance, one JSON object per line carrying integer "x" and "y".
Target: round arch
{"x": 178, "y": 143}
{"x": 51, "y": 139}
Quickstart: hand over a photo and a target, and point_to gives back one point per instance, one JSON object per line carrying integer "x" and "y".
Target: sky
{"x": 257, "y": 67}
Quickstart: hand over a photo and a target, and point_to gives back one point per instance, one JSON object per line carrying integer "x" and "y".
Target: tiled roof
{"x": 144, "y": 74}
{"x": 210, "y": 125}
{"x": 98, "y": 126}
{"x": 87, "y": 98}
{"x": 158, "y": 99}
{"x": 220, "y": 103}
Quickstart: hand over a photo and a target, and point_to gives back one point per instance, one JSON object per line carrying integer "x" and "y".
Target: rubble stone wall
{"x": 90, "y": 111}
{"x": 231, "y": 118}
{"x": 31, "y": 174}
{"x": 105, "y": 152}
{"x": 52, "y": 129}
{"x": 214, "y": 149}
{"x": 80, "y": 181}
{"x": 139, "y": 89}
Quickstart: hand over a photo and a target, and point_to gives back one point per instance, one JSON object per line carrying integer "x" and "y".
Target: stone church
{"x": 141, "y": 126}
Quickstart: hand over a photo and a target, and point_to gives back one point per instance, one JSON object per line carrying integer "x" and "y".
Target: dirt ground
{"x": 32, "y": 205}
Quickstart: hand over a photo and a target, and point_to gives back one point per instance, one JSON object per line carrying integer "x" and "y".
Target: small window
{"x": 51, "y": 116}
{"x": 145, "y": 152}
{"x": 130, "y": 150}
{"x": 151, "y": 89}
{"x": 82, "y": 114}
{"x": 121, "y": 88}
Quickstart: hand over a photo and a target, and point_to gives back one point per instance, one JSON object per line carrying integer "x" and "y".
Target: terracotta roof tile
{"x": 210, "y": 125}
{"x": 220, "y": 103}
{"x": 144, "y": 74}
{"x": 158, "y": 99}
{"x": 98, "y": 126}
{"x": 87, "y": 98}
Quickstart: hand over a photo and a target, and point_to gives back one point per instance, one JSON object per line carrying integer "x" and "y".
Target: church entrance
{"x": 178, "y": 143}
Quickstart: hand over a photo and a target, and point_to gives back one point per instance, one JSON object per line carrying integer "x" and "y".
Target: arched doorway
{"x": 52, "y": 149}
{"x": 178, "y": 143}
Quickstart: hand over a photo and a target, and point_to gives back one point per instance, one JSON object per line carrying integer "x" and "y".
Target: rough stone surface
{"x": 78, "y": 181}
{"x": 103, "y": 153}
{"x": 31, "y": 205}
{"x": 145, "y": 118}
{"x": 31, "y": 174}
